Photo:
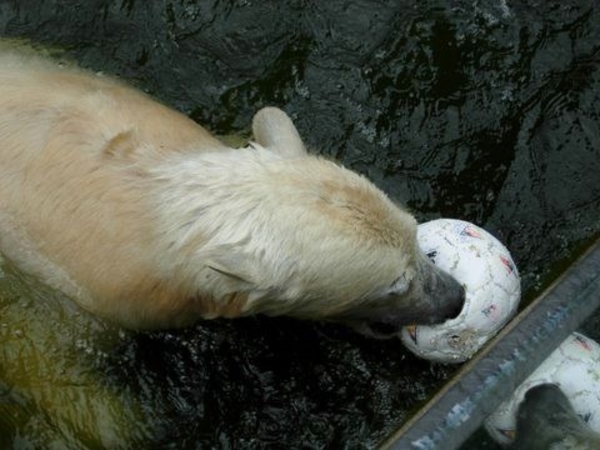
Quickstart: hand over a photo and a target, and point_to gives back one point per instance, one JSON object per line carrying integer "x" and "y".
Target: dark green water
{"x": 487, "y": 111}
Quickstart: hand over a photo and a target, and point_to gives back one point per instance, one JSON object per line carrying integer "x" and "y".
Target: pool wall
{"x": 456, "y": 411}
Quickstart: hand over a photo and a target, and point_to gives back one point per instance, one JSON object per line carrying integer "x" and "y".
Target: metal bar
{"x": 455, "y": 412}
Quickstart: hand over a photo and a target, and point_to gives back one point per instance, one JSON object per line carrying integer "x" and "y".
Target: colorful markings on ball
{"x": 583, "y": 343}
{"x": 412, "y": 331}
{"x": 507, "y": 263}
{"x": 489, "y": 310}
{"x": 492, "y": 286}
{"x": 470, "y": 232}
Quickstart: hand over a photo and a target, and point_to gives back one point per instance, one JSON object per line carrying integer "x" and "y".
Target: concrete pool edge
{"x": 460, "y": 407}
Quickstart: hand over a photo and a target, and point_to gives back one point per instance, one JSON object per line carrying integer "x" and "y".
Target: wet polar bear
{"x": 145, "y": 219}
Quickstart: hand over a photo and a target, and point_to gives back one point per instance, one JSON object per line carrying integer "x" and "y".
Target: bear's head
{"x": 287, "y": 233}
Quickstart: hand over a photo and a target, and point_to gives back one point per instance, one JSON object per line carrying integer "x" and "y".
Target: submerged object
{"x": 546, "y": 420}
{"x": 574, "y": 367}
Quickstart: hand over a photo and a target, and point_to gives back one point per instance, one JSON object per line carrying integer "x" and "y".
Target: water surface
{"x": 486, "y": 111}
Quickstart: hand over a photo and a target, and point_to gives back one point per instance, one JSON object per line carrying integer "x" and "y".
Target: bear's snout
{"x": 443, "y": 293}
{"x": 455, "y": 300}
{"x": 433, "y": 300}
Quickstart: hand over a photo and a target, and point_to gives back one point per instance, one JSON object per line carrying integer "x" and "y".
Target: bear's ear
{"x": 273, "y": 129}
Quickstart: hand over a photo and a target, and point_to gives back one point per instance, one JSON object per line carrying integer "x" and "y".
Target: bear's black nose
{"x": 457, "y": 302}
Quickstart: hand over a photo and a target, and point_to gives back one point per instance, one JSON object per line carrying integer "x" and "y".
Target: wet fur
{"x": 144, "y": 218}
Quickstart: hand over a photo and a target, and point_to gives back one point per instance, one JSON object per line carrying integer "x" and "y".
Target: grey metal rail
{"x": 455, "y": 412}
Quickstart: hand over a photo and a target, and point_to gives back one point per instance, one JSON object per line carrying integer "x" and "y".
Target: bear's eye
{"x": 400, "y": 285}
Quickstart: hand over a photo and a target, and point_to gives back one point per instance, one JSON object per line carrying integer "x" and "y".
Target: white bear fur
{"x": 144, "y": 218}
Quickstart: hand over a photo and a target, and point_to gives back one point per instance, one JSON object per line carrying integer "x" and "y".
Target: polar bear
{"x": 144, "y": 218}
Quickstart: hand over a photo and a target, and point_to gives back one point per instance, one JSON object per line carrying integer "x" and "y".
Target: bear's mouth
{"x": 376, "y": 329}
{"x": 383, "y": 330}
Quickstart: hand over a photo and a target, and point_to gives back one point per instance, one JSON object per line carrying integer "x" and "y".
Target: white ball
{"x": 575, "y": 368}
{"x": 492, "y": 290}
